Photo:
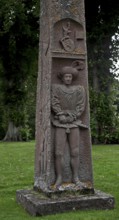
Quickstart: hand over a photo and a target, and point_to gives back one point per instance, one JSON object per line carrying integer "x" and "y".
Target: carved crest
{"x": 66, "y": 41}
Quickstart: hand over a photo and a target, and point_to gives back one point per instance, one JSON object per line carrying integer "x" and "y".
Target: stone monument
{"x": 63, "y": 163}
{"x": 62, "y": 119}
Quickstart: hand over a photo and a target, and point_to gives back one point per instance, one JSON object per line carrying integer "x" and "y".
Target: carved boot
{"x": 58, "y": 181}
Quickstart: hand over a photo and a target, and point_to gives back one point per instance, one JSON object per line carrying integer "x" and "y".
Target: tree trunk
{"x": 13, "y": 133}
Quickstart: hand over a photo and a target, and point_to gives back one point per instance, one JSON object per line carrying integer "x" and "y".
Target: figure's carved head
{"x": 67, "y": 74}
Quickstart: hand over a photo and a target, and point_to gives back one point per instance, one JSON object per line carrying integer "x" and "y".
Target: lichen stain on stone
{"x": 73, "y": 10}
{"x": 57, "y": 18}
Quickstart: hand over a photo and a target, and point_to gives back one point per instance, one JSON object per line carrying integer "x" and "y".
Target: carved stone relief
{"x": 63, "y": 132}
{"x": 68, "y": 104}
{"x": 68, "y": 36}
{"x": 67, "y": 43}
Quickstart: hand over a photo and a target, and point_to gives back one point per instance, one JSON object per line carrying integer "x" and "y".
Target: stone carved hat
{"x": 68, "y": 70}
{"x": 73, "y": 69}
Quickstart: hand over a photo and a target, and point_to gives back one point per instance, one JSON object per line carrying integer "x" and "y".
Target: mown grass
{"x": 17, "y": 171}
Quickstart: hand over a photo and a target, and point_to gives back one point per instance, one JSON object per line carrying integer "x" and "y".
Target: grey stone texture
{"x": 62, "y": 43}
{"x": 38, "y": 204}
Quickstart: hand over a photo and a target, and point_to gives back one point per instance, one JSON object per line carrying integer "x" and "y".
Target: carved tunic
{"x": 68, "y": 102}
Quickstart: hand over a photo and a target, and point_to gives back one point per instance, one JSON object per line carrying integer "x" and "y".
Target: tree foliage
{"x": 102, "y": 20}
{"x": 19, "y": 31}
{"x": 19, "y": 41}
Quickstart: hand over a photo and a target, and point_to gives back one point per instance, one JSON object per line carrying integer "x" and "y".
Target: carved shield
{"x": 68, "y": 44}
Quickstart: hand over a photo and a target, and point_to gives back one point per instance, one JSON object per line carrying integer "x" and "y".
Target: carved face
{"x": 67, "y": 78}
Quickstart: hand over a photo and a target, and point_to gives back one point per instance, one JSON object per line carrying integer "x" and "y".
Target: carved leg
{"x": 59, "y": 169}
{"x": 60, "y": 141}
{"x": 75, "y": 165}
{"x": 74, "y": 151}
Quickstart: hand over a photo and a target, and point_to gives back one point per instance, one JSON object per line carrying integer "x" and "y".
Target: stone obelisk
{"x": 63, "y": 162}
{"x": 62, "y": 43}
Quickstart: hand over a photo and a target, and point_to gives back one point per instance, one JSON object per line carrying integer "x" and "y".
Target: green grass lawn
{"x": 17, "y": 172}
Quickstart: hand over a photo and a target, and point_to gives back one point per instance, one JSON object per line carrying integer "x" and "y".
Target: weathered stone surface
{"x": 38, "y": 204}
{"x": 63, "y": 162}
{"x": 62, "y": 44}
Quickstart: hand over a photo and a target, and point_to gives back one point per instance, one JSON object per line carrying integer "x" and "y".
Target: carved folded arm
{"x": 80, "y": 102}
{"x": 55, "y": 103}
{"x": 56, "y": 107}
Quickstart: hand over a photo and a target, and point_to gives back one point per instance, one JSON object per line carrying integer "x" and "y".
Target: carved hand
{"x": 69, "y": 119}
{"x": 62, "y": 119}
{"x": 72, "y": 115}
{"x": 66, "y": 119}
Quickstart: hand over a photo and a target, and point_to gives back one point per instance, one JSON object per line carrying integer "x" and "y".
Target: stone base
{"x": 38, "y": 203}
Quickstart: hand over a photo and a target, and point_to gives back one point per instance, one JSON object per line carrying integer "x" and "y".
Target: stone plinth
{"x": 38, "y": 203}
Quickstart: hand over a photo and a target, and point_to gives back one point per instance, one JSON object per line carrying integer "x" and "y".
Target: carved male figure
{"x": 68, "y": 103}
